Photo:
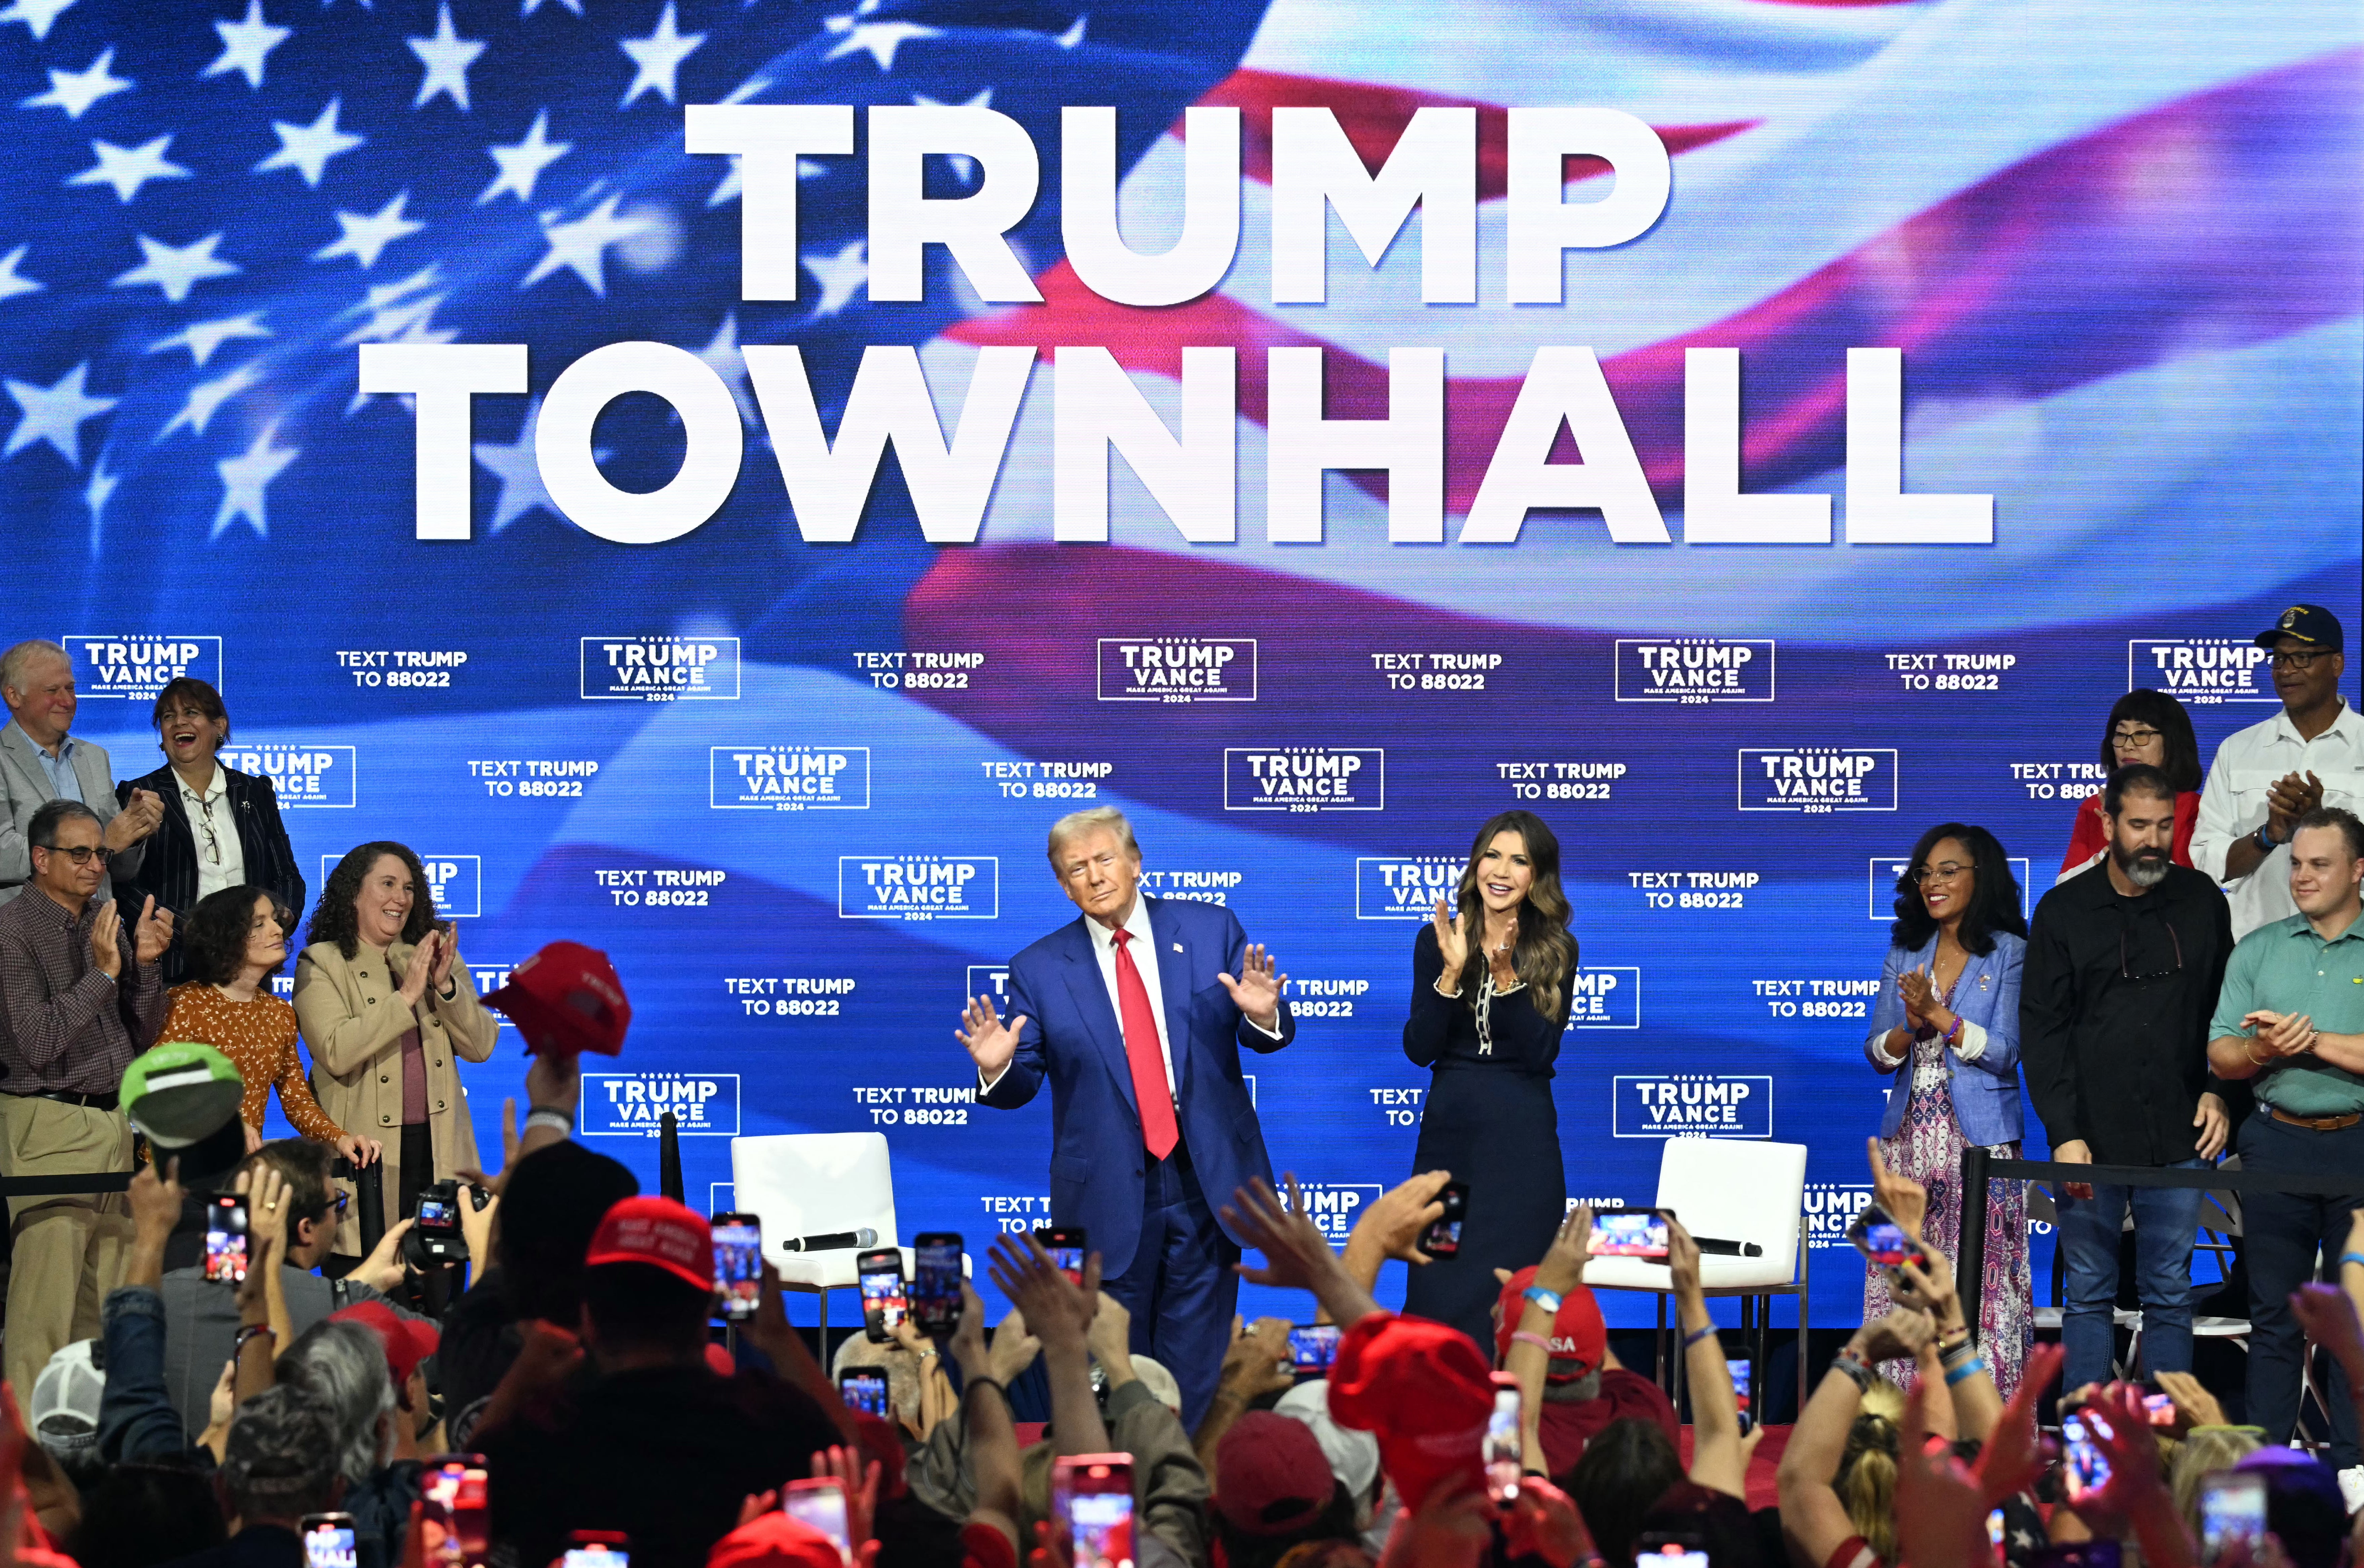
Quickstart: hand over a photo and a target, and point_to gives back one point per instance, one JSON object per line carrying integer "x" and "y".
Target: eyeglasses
{"x": 2295, "y": 657}
{"x": 2125, "y": 965}
{"x": 2133, "y": 737}
{"x": 1946, "y": 873}
{"x": 202, "y": 815}
{"x": 343, "y": 1197}
{"x": 81, "y": 854}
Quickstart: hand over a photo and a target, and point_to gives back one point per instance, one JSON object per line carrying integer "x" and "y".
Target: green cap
{"x": 180, "y": 1092}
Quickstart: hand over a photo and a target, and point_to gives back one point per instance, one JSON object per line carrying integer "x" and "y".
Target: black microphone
{"x": 1728, "y": 1249}
{"x": 832, "y": 1242}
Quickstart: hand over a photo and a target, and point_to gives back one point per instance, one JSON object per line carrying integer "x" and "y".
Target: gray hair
{"x": 343, "y": 1366}
{"x": 280, "y": 1462}
{"x": 1085, "y": 821}
{"x": 41, "y": 832}
{"x": 13, "y": 662}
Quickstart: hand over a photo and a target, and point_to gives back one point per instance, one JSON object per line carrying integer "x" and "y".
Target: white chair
{"x": 813, "y": 1184}
{"x": 1732, "y": 1190}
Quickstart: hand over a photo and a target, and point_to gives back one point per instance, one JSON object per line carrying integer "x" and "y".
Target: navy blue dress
{"x": 1488, "y": 1118}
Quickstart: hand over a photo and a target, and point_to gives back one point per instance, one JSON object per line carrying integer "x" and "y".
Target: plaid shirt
{"x": 69, "y": 1029}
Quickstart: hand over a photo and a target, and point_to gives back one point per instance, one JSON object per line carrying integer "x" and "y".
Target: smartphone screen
{"x": 1443, "y": 1238}
{"x": 2160, "y": 1409}
{"x": 1505, "y": 1453}
{"x": 1995, "y": 1531}
{"x": 737, "y": 1265}
{"x": 1629, "y": 1233}
{"x": 2232, "y": 1509}
{"x": 936, "y": 1281}
{"x": 1879, "y": 1238}
{"x": 1066, "y": 1246}
{"x": 599, "y": 1549}
{"x": 1313, "y": 1347}
{"x": 1741, "y": 1372}
{"x": 1091, "y": 1496}
{"x": 1656, "y": 1551}
{"x": 884, "y": 1301}
{"x": 820, "y": 1502}
{"x": 865, "y": 1390}
{"x": 329, "y": 1541}
{"x": 226, "y": 1239}
{"x": 2084, "y": 1466}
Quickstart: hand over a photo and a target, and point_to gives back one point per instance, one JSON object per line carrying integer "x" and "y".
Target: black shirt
{"x": 1443, "y": 1031}
{"x": 2114, "y": 1010}
{"x": 256, "y": 1546}
{"x": 666, "y": 1454}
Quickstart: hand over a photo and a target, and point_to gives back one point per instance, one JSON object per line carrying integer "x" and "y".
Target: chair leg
{"x": 1805, "y": 1293}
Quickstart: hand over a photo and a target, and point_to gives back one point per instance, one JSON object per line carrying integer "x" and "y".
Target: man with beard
{"x": 2291, "y": 1018}
{"x": 2124, "y": 962}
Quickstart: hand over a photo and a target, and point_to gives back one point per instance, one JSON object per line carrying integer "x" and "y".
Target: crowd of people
{"x": 176, "y": 1413}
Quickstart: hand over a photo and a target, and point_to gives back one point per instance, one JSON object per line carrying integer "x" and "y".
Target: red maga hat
{"x": 566, "y": 1000}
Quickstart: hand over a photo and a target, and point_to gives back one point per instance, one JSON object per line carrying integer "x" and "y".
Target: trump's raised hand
{"x": 991, "y": 1043}
{"x": 1257, "y": 991}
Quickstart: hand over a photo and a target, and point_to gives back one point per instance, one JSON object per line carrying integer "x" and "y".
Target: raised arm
{"x": 1813, "y": 1516}
{"x": 1431, "y": 1020}
{"x": 1887, "y": 1044}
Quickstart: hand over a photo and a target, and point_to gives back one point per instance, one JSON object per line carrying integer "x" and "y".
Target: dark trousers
{"x": 1179, "y": 1287}
{"x": 2282, "y": 1233}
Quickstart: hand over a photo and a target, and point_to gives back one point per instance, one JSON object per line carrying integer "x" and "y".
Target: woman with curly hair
{"x": 235, "y": 941}
{"x": 1491, "y": 991}
{"x": 390, "y": 1011}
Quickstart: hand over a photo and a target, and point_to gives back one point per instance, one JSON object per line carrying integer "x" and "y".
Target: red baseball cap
{"x": 1577, "y": 1334}
{"x": 1424, "y": 1389}
{"x": 566, "y": 1000}
{"x": 1271, "y": 1475}
{"x": 776, "y": 1541}
{"x": 408, "y": 1341}
{"x": 659, "y": 1232}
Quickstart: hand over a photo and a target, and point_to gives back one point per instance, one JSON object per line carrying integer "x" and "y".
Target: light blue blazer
{"x": 1986, "y": 1092}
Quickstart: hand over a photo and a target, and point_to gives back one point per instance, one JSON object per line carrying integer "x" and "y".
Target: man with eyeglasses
{"x": 2291, "y": 1020}
{"x": 40, "y": 761}
{"x": 80, "y": 995}
{"x": 2124, "y": 960}
{"x": 2266, "y": 777}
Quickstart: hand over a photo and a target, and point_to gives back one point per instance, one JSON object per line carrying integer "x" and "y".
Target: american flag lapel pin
{"x": 1178, "y": 947}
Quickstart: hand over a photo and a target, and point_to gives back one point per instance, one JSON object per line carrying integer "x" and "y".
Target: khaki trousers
{"x": 71, "y": 1251}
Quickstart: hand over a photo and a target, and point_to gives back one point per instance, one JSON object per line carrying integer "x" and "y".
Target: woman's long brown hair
{"x": 1546, "y": 955}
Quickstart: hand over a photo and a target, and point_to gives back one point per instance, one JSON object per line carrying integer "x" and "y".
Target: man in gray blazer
{"x": 41, "y": 762}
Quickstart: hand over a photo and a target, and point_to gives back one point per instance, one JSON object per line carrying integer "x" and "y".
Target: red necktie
{"x": 1158, "y": 1133}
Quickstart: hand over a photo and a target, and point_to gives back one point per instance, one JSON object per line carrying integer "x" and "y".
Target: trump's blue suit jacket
{"x": 1071, "y": 1037}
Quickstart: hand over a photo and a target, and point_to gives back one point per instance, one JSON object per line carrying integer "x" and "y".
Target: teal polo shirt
{"x": 2286, "y": 968}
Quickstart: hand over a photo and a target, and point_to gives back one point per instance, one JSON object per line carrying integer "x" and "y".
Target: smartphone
{"x": 2083, "y": 1467}
{"x": 439, "y": 1495}
{"x": 599, "y": 1549}
{"x": 936, "y": 1283}
{"x": 1313, "y": 1347}
{"x": 884, "y": 1303}
{"x": 1628, "y": 1233}
{"x": 1443, "y": 1238}
{"x": 1065, "y": 1245}
{"x": 1091, "y": 1503}
{"x": 820, "y": 1503}
{"x": 2160, "y": 1406}
{"x": 738, "y": 1265}
{"x": 864, "y": 1388}
{"x": 329, "y": 1541}
{"x": 1505, "y": 1452}
{"x": 2232, "y": 1510}
{"x": 1881, "y": 1239}
{"x": 1996, "y": 1530}
{"x": 1669, "y": 1549}
{"x": 226, "y": 1239}
{"x": 1740, "y": 1392}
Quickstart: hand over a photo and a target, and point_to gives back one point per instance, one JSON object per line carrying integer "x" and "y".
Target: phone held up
{"x": 738, "y": 1265}
{"x": 1065, "y": 1245}
{"x": 1313, "y": 1348}
{"x": 885, "y": 1304}
{"x": 864, "y": 1389}
{"x": 1628, "y": 1233}
{"x": 1505, "y": 1453}
{"x": 1741, "y": 1372}
{"x": 820, "y": 1503}
{"x": 226, "y": 1239}
{"x": 1669, "y": 1549}
{"x": 1442, "y": 1236}
{"x": 1878, "y": 1237}
{"x": 2084, "y": 1469}
{"x": 2231, "y": 1511}
{"x": 599, "y": 1549}
{"x": 328, "y": 1540}
{"x": 451, "y": 1493}
{"x": 936, "y": 1283}
{"x": 1091, "y": 1506}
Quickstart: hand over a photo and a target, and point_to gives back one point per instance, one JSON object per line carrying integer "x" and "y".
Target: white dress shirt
{"x": 221, "y": 862}
{"x": 2233, "y": 803}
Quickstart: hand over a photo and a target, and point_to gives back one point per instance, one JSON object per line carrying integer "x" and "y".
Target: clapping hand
{"x": 2282, "y": 1034}
{"x": 990, "y": 1043}
{"x": 447, "y": 953}
{"x": 422, "y": 967}
{"x": 1257, "y": 993}
{"x": 134, "y": 822}
{"x": 107, "y": 939}
{"x": 1913, "y": 988}
{"x": 1451, "y": 940}
{"x": 152, "y": 933}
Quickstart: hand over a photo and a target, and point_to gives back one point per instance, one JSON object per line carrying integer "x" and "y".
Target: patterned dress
{"x": 1928, "y": 1148}
{"x": 259, "y": 1036}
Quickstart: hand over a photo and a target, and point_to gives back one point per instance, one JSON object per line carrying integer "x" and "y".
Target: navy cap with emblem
{"x": 2310, "y": 623}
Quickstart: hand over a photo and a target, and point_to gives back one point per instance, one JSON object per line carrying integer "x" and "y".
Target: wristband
{"x": 2265, "y": 839}
{"x": 1964, "y": 1373}
{"x": 1523, "y": 1338}
{"x": 1546, "y": 1300}
{"x": 2347, "y": 1258}
{"x": 1954, "y": 1338}
{"x": 970, "y": 1385}
{"x": 1954, "y": 1032}
{"x": 1853, "y": 1367}
{"x": 1956, "y": 1355}
{"x": 556, "y": 1120}
{"x": 251, "y": 1331}
{"x": 1692, "y": 1338}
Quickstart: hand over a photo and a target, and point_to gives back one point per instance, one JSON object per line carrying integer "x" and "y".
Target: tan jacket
{"x": 354, "y": 1022}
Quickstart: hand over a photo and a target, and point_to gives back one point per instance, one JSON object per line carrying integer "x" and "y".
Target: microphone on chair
{"x": 1728, "y": 1249}
{"x": 833, "y": 1241}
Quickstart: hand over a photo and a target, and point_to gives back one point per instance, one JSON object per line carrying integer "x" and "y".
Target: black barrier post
{"x": 1971, "y": 1266}
{"x": 369, "y": 1191}
{"x": 669, "y": 1157}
